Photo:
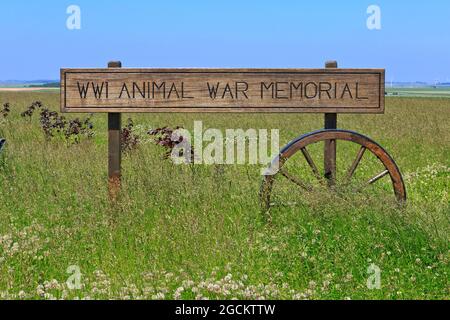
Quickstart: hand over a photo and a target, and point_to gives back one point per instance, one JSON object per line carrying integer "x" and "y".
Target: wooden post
{"x": 114, "y": 148}
{"x": 330, "y": 145}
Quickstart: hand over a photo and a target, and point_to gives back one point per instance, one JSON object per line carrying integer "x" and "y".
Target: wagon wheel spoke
{"x": 377, "y": 177}
{"x": 373, "y": 180}
{"x": 311, "y": 164}
{"x": 355, "y": 164}
{"x": 295, "y": 180}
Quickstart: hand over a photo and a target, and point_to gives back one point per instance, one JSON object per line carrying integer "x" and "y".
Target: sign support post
{"x": 330, "y": 145}
{"x": 114, "y": 147}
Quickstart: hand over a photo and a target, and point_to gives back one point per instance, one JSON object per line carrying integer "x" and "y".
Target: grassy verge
{"x": 197, "y": 232}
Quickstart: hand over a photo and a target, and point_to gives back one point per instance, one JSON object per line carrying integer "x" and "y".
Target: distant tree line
{"x": 45, "y": 85}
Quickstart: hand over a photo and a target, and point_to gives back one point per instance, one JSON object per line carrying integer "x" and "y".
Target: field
{"x": 424, "y": 92}
{"x": 194, "y": 232}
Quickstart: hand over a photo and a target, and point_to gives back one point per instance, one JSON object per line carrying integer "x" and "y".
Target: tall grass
{"x": 197, "y": 231}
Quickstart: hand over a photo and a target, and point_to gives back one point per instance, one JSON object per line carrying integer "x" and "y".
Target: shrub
{"x": 166, "y": 138}
{"x": 29, "y": 112}
{"x": 6, "y": 109}
{"x": 128, "y": 139}
{"x": 54, "y": 124}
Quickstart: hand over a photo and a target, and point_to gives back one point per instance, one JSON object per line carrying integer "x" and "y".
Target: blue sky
{"x": 413, "y": 43}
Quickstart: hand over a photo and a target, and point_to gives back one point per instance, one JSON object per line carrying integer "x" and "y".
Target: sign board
{"x": 223, "y": 90}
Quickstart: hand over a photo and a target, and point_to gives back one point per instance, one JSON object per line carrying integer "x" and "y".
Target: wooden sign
{"x": 223, "y": 90}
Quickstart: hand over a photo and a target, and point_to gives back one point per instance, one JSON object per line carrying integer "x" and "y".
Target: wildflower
{"x": 40, "y": 290}
{"x": 299, "y": 296}
{"x": 168, "y": 275}
{"x": 325, "y": 285}
{"x": 158, "y": 296}
{"x": 348, "y": 277}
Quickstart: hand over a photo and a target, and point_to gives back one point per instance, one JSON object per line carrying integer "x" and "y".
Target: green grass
{"x": 200, "y": 227}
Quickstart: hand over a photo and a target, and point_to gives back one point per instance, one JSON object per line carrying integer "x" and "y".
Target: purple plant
{"x": 128, "y": 139}
{"x": 47, "y": 118}
{"x": 52, "y": 122}
{"x": 29, "y": 112}
{"x": 6, "y": 109}
{"x": 165, "y": 138}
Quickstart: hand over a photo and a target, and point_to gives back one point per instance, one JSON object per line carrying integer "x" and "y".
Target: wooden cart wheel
{"x": 278, "y": 168}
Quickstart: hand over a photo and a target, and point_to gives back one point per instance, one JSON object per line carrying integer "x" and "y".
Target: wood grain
{"x": 223, "y": 90}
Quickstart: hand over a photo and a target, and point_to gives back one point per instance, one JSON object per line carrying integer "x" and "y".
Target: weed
{"x": 166, "y": 138}
{"x": 128, "y": 139}
{"x": 6, "y": 109}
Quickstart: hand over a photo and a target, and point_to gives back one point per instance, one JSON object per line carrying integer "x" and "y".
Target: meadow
{"x": 425, "y": 92}
{"x": 197, "y": 232}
